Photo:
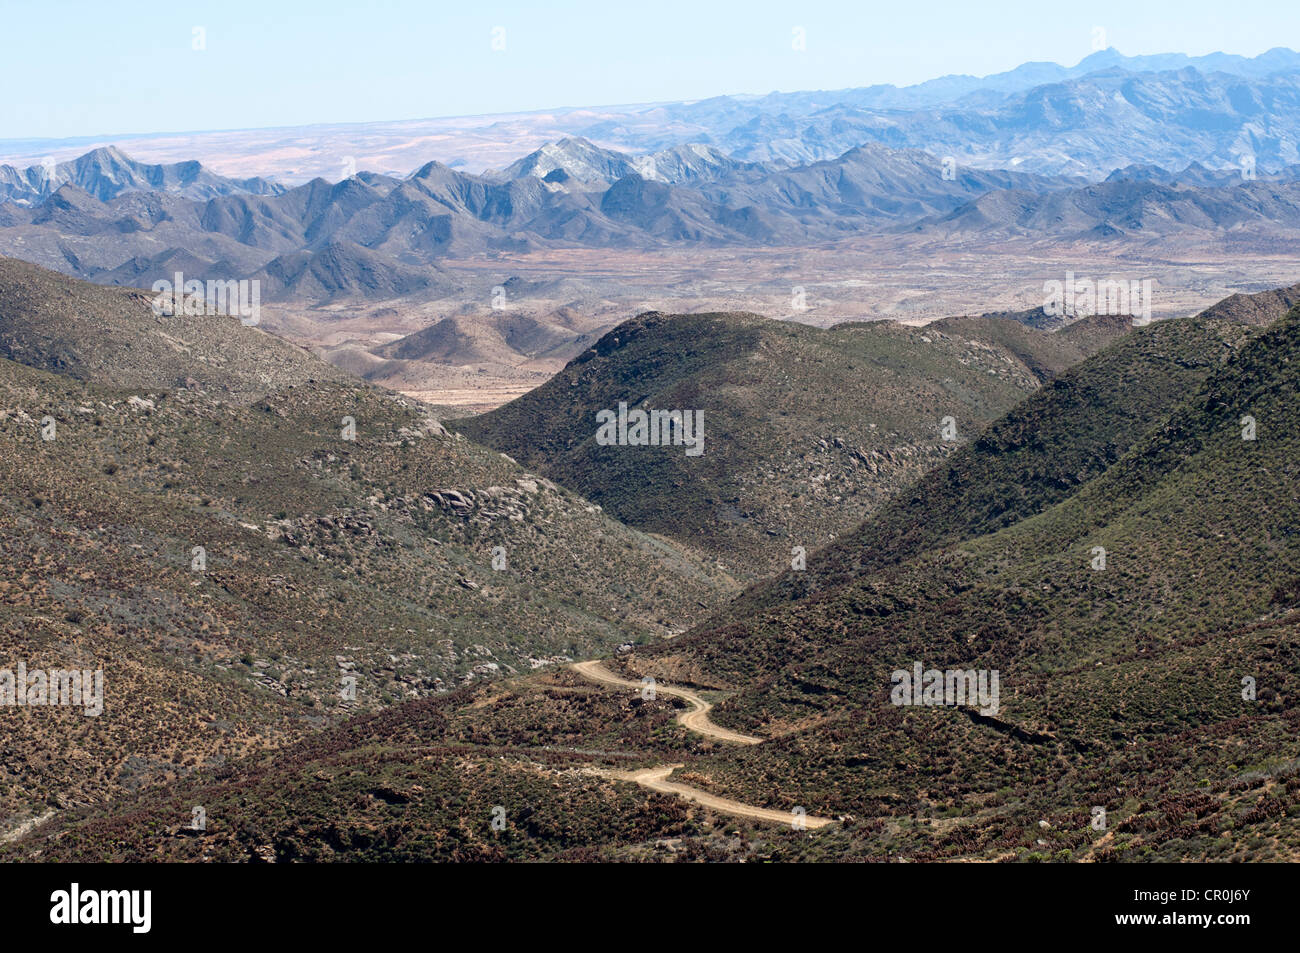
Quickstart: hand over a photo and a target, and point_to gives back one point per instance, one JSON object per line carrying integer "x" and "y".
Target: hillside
{"x": 345, "y": 270}
{"x": 1121, "y": 689}
{"x": 111, "y": 336}
{"x": 1037, "y": 455}
{"x": 407, "y": 557}
{"x": 806, "y": 430}
{"x": 496, "y": 337}
{"x": 1260, "y": 308}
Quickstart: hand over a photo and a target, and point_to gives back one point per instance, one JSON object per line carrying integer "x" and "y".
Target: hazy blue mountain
{"x": 1089, "y": 125}
{"x": 108, "y": 172}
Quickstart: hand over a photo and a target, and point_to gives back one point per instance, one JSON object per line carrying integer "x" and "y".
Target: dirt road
{"x": 656, "y": 779}
{"x": 696, "y": 720}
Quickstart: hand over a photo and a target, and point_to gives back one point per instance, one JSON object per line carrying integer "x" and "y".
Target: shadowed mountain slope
{"x": 806, "y": 430}
{"x": 1123, "y": 684}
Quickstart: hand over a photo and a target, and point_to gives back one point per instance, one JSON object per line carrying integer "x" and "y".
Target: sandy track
{"x": 656, "y": 779}
{"x": 696, "y": 720}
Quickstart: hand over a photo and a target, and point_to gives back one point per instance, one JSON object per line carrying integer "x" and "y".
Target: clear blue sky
{"x": 95, "y": 67}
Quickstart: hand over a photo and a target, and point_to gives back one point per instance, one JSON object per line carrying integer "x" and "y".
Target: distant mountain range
{"x": 1128, "y": 208}
{"x": 956, "y": 88}
{"x": 376, "y": 237}
{"x": 1087, "y": 125}
{"x": 1112, "y": 149}
{"x": 1106, "y": 112}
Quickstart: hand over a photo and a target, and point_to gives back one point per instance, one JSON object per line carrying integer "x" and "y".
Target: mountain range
{"x": 374, "y": 237}
{"x": 1089, "y": 125}
{"x": 1112, "y": 150}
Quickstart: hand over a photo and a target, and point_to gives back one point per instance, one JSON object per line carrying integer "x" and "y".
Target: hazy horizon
{"x": 150, "y": 70}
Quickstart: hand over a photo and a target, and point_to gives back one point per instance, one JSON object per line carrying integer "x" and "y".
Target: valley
{"x": 769, "y": 702}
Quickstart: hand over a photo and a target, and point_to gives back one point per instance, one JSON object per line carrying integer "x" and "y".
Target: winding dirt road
{"x": 697, "y": 720}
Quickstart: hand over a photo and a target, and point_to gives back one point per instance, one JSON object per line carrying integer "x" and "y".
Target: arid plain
{"x": 579, "y": 294}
